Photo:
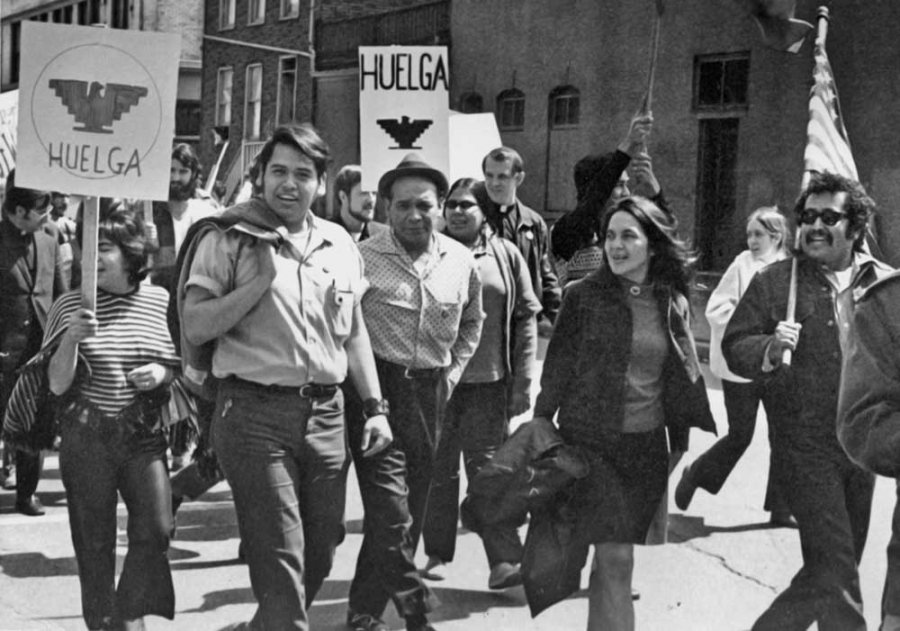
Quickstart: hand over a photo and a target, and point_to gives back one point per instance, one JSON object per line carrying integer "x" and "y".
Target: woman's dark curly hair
{"x": 671, "y": 261}
{"x": 124, "y": 226}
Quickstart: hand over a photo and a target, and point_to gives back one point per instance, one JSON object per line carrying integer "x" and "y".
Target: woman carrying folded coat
{"x": 621, "y": 372}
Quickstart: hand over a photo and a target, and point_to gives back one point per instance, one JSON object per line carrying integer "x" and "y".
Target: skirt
{"x": 617, "y": 501}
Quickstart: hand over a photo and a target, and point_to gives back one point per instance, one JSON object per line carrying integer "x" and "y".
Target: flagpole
{"x": 654, "y": 50}
{"x": 822, "y": 17}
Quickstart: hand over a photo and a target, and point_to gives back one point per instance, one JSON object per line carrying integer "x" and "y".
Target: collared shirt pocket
{"x": 340, "y": 310}
{"x": 446, "y": 321}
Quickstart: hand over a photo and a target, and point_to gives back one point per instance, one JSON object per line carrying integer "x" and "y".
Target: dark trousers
{"x": 388, "y": 556}
{"x": 285, "y": 458}
{"x": 475, "y": 425}
{"x": 711, "y": 469}
{"x": 831, "y": 498}
{"x": 400, "y": 482}
{"x": 890, "y": 600}
{"x": 93, "y": 470}
{"x": 28, "y": 473}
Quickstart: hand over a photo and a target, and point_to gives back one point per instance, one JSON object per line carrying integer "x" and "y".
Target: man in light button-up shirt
{"x": 279, "y": 292}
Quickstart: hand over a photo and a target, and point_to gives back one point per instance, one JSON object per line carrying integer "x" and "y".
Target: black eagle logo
{"x": 96, "y": 111}
{"x": 404, "y": 131}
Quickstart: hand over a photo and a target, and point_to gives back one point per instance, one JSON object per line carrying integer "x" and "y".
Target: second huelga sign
{"x": 403, "y": 107}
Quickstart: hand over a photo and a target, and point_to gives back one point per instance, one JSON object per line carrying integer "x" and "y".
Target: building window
{"x": 565, "y": 104}
{"x": 118, "y": 13}
{"x": 224, "y": 84}
{"x": 253, "y": 102}
{"x": 290, "y": 8}
{"x": 511, "y": 109}
{"x": 187, "y": 118}
{"x": 720, "y": 82}
{"x": 287, "y": 90}
{"x": 226, "y": 14}
{"x": 471, "y": 103}
{"x": 256, "y": 14}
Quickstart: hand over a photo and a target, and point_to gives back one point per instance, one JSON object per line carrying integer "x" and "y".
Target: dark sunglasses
{"x": 453, "y": 204}
{"x": 829, "y": 217}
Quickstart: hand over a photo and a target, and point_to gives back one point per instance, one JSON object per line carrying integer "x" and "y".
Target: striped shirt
{"x": 132, "y": 332}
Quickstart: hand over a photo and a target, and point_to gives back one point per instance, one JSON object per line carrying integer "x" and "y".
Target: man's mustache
{"x": 819, "y": 234}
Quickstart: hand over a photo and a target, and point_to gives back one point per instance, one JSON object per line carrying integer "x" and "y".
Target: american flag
{"x": 827, "y": 144}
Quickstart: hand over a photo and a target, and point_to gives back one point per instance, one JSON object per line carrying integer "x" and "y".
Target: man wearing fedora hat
{"x": 30, "y": 279}
{"x": 423, "y": 312}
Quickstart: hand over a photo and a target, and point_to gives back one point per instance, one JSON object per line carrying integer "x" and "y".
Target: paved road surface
{"x": 722, "y": 567}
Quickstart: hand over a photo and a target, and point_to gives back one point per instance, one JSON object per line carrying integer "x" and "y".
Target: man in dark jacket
{"x": 31, "y": 278}
{"x": 504, "y": 171}
{"x": 869, "y": 410}
{"x": 828, "y": 494}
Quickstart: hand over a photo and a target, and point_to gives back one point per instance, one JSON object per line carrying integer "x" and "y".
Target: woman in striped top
{"x": 113, "y": 367}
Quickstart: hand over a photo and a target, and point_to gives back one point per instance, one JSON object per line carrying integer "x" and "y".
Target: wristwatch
{"x": 374, "y": 407}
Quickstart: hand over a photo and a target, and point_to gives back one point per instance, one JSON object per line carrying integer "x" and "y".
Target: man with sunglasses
{"x": 829, "y": 495}
{"x": 31, "y": 277}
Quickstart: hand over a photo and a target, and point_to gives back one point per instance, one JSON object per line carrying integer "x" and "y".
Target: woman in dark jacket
{"x": 495, "y": 386}
{"x": 621, "y": 370}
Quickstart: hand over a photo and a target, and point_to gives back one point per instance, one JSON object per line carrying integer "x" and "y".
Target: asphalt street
{"x": 722, "y": 566}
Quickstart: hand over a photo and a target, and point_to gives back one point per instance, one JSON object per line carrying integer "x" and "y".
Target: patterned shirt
{"x": 422, "y": 319}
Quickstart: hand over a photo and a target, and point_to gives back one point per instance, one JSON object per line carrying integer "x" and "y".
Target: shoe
{"x": 684, "y": 492}
{"x": 9, "y": 483}
{"x": 418, "y": 622}
{"x": 31, "y": 506}
{"x": 782, "y": 519}
{"x": 435, "y": 569}
{"x": 365, "y": 622}
{"x": 505, "y": 575}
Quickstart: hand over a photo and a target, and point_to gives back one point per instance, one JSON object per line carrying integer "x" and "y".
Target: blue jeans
{"x": 93, "y": 472}
{"x": 831, "y": 498}
{"x": 475, "y": 425}
{"x": 285, "y": 458}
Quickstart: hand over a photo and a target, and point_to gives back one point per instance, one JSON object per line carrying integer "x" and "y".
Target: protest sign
{"x": 403, "y": 107}
{"x": 96, "y": 110}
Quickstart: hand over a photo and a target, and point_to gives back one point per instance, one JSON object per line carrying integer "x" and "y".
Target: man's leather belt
{"x": 422, "y": 373}
{"x": 307, "y": 390}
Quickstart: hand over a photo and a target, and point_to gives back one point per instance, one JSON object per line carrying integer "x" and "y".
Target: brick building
{"x": 265, "y": 65}
{"x": 172, "y": 16}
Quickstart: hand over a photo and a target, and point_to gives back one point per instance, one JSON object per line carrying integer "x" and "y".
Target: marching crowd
{"x": 278, "y": 347}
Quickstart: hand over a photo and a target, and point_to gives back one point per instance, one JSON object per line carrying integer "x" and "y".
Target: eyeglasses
{"x": 829, "y": 217}
{"x": 464, "y": 204}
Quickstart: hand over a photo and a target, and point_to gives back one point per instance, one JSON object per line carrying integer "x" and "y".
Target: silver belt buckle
{"x": 305, "y": 391}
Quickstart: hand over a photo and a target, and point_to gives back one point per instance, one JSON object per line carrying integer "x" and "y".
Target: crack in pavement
{"x": 724, "y": 563}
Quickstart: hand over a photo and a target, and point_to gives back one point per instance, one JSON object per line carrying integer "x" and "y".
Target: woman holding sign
{"x": 113, "y": 369}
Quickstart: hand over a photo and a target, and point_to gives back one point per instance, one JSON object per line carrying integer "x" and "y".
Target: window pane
{"x": 710, "y": 83}
{"x": 223, "y": 109}
{"x": 735, "y": 84}
{"x": 290, "y": 8}
{"x": 287, "y": 90}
